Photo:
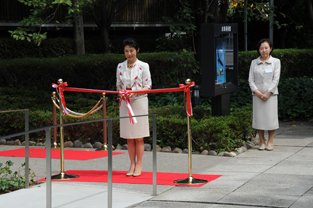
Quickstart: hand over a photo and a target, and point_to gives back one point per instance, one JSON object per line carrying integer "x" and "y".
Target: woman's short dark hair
{"x": 262, "y": 41}
{"x": 131, "y": 42}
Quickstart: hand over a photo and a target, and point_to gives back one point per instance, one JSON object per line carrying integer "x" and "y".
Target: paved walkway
{"x": 279, "y": 178}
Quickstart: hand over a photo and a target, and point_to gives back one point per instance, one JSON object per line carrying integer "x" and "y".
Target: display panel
{"x": 224, "y": 61}
{"x": 220, "y": 60}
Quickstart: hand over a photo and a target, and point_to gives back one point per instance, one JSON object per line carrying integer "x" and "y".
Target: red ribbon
{"x": 60, "y": 89}
{"x": 126, "y": 93}
{"x": 187, "y": 90}
{"x": 125, "y": 96}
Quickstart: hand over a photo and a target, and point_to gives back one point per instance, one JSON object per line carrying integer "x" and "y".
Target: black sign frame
{"x": 209, "y": 33}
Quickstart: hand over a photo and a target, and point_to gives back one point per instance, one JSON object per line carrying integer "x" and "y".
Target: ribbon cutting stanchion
{"x": 104, "y": 147}
{"x": 62, "y": 175}
{"x": 190, "y": 180}
{"x": 124, "y": 96}
{"x": 54, "y": 144}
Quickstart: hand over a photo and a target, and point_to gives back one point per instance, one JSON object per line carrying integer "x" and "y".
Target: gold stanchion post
{"x": 62, "y": 175}
{"x": 54, "y": 144}
{"x": 104, "y": 147}
{"x": 190, "y": 180}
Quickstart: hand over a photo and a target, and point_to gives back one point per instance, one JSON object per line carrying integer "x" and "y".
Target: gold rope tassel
{"x": 82, "y": 116}
{"x": 56, "y": 105}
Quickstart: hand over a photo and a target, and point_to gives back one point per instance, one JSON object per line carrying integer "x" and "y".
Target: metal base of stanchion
{"x": 104, "y": 147}
{"x": 190, "y": 181}
{"x": 55, "y": 146}
{"x": 63, "y": 176}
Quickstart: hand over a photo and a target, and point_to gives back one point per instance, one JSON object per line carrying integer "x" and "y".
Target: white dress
{"x": 264, "y": 76}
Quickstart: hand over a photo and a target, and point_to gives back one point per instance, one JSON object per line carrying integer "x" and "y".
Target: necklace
{"x": 130, "y": 65}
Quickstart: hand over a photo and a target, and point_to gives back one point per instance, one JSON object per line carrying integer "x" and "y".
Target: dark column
{"x": 221, "y": 105}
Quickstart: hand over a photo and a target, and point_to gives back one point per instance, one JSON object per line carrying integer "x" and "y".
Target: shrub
{"x": 219, "y": 133}
{"x": 91, "y": 71}
{"x": 294, "y": 62}
{"x": 224, "y": 133}
{"x": 294, "y": 100}
{"x": 168, "y": 69}
{"x": 171, "y": 127}
{"x": 10, "y": 181}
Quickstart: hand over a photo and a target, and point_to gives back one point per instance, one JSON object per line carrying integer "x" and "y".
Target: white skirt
{"x": 139, "y": 129}
{"x": 265, "y": 114}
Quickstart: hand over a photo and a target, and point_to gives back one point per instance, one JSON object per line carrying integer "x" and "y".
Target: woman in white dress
{"x": 263, "y": 80}
{"x": 133, "y": 74}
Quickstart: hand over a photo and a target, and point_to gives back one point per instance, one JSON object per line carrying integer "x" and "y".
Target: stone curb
{"x": 78, "y": 144}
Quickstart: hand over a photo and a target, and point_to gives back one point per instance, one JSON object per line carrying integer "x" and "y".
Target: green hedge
{"x": 93, "y": 71}
{"x": 219, "y": 133}
{"x": 294, "y": 100}
{"x": 98, "y": 71}
{"x": 294, "y": 62}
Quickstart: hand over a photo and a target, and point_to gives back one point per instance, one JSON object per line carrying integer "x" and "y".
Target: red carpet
{"x": 55, "y": 154}
{"x": 145, "y": 178}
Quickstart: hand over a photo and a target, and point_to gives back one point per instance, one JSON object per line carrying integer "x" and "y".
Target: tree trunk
{"x": 213, "y": 9}
{"x": 199, "y": 19}
{"x": 105, "y": 27}
{"x": 282, "y": 38}
{"x": 283, "y": 32}
{"x": 310, "y": 8}
{"x": 104, "y": 32}
{"x": 223, "y": 11}
{"x": 104, "y": 21}
{"x": 78, "y": 32}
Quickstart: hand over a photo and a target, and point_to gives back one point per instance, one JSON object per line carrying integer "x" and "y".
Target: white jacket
{"x": 140, "y": 76}
{"x": 264, "y": 76}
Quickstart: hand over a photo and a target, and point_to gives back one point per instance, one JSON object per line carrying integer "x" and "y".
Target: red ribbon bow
{"x": 60, "y": 89}
{"x": 187, "y": 89}
{"x": 125, "y": 96}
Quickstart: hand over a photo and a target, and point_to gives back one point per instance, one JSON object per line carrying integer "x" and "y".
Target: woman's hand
{"x": 266, "y": 95}
{"x": 131, "y": 94}
{"x": 259, "y": 94}
{"x": 262, "y": 96}
{"x": 145, "y": 88}
{"x": 118, "y": 88}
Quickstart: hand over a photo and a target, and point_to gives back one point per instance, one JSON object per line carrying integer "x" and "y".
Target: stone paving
{"x": 279, "y": 178}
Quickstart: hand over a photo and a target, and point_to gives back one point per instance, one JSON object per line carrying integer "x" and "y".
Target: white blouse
{"x": 128, "y": 78}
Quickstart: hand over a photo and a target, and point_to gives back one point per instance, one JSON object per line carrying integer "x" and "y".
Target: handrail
{"x": 26, "y": 142}
{"x": 110, "y": 120}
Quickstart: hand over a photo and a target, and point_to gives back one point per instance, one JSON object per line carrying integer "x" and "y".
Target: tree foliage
{"x": 43, "y": 12}
{"x": 261, "y": 10}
